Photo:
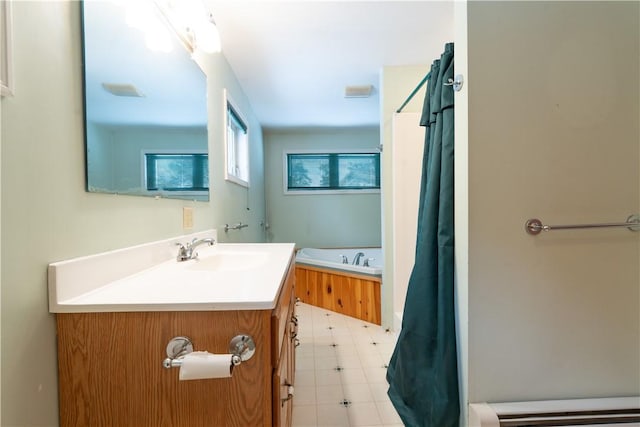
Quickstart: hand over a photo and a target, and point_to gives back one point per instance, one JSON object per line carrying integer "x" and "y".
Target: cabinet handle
{"x": 294, "y": 328}
{"x": 289, "y": 392}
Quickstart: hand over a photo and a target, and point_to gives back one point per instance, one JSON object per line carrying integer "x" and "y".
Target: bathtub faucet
{"x": 185, "y": 252}
{"x": 356, "y": 259}
{"x": 345, "y": 260}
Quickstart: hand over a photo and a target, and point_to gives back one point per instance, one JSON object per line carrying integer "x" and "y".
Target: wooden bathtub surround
{"x": 346, "y": 293}
{"x": 111, "y": 373}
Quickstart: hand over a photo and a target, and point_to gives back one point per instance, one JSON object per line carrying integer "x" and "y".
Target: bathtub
{"x": 323, "y": 280}
{"x": 332, "y": 258}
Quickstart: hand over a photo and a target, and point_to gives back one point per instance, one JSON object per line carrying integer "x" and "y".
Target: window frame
{"x": 231, "y": 106}
{"x": 171, "y": 152}
{"x": 328, "y": 191}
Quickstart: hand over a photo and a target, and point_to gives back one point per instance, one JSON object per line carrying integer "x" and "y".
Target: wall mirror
{"x": 145, "y": 105}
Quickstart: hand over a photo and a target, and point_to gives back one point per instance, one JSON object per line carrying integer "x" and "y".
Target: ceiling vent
{"x": 358, "y": 91}
{"x": 120, "y": 89}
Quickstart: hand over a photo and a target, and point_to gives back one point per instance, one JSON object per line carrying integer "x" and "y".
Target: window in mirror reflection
{"x": 186, "y": 173}
{"x": 236, "y": 145}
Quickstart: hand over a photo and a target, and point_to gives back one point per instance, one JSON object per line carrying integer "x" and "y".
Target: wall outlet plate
{"x": 187, "y": 218}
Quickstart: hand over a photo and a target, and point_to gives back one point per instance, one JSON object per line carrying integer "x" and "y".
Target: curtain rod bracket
{"x": 456, "y": 82}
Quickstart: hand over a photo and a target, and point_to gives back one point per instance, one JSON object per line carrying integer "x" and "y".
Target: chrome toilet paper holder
{"x": 242, "y": 347}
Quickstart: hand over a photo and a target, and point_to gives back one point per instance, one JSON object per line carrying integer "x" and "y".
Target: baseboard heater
{"x": 608, "y": 412}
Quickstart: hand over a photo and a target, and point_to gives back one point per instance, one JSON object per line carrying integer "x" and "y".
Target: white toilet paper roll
{"x": 199, "y": 365}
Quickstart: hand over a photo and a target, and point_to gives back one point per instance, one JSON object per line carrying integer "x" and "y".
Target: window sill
{"x": 329, "y": 192}
{"x": 237, "y": 181}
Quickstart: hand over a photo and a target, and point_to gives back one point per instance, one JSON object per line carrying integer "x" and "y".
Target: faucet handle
{"x": 183, "y": 251}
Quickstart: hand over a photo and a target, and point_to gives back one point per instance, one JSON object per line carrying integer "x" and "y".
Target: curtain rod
{"x": 412, "y": 94}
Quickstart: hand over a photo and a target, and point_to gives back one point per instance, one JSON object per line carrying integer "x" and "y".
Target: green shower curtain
{"x": 423, "y": 371}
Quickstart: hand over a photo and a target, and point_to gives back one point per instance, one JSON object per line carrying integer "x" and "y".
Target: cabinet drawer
{"x": 281, "y": 315}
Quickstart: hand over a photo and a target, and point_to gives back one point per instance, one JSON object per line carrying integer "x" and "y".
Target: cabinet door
{"x": 283, "y": 388}
{"x": 97, "y": 389}
{"x": 293, "y": 341}
{"x": 281, "y": 316}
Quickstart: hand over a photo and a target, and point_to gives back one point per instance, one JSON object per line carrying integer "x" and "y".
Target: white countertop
{"x": 224, "y": 277}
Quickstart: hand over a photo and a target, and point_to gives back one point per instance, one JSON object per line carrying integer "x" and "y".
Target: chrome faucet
{"x": 356, "y": 259}
{"x": 344, "y": 258}
{"x": 186, "y": 251}
{"x": 367, "y": 261}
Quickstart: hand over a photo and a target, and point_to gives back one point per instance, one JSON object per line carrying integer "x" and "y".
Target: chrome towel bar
{"x": 238, "y": 226}
{"x": 534, "y": 226}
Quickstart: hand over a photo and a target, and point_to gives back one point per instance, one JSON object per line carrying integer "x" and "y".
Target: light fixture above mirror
{"x": 193, "y": 24}
{"x": 189, "y": 19}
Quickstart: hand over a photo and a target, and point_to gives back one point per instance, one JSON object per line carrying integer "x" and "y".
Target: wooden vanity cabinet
{"x": 111, "y": 374}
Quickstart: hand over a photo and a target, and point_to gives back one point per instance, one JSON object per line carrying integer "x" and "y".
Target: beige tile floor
{"x": 340, "y": 371}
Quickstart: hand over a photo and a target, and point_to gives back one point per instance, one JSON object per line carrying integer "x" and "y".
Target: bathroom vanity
{"x": 112, "y": 340}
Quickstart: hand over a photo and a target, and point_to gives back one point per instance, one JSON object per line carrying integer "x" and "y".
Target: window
{"x": 184, "y": 172}
{"x": 341, "y": 172}
{"x": 237, "y": 145}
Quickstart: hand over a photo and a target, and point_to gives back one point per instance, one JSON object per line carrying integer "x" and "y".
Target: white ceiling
{"x": 293, "y": 59}
{"x": 173, "y": 85}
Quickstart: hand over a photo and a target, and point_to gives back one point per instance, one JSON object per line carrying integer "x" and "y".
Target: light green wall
{"x": 318, "y": 220}
{"x": 47, "y": 215}
{"x": 553, "y": 133}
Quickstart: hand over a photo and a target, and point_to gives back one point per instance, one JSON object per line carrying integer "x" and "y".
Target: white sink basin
{"x": 224, "y": 260}
{"x": 223, "y": 277}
